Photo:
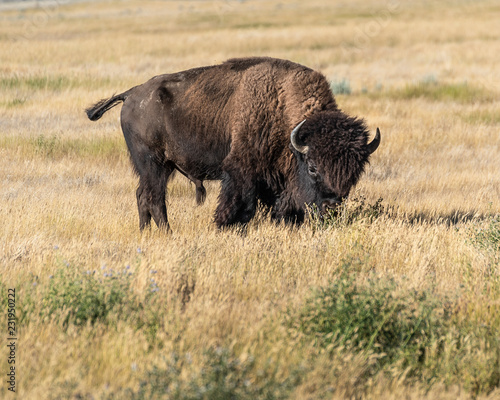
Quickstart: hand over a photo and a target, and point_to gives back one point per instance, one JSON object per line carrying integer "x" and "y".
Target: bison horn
{"x": 298, "y": 144}
{"x": 372, "y": 146}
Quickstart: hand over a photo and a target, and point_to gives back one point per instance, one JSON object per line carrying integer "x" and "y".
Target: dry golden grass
{"x": 68, "y": 192}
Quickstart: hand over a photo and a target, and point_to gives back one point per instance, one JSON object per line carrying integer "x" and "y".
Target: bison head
{"x": 332, "y": 150}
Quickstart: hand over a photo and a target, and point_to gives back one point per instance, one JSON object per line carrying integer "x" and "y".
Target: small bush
{"x": 72, "y": 297}
{"x": 46, "y": 146}
{"x": 349, "y": 212}
{"x": 25, "y": 300}
{"x": 219, "y": 375}
{"x": 429, "y": 80}
{"x": 341, "y": 87}
{"x": 372, "y": 318}
{"x": 488, "y": 238}
{"x": 413, "y": 334}
{"x": 81, "y": 298}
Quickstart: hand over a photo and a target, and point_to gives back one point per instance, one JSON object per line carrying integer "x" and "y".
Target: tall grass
{"x": 394, "y": 295}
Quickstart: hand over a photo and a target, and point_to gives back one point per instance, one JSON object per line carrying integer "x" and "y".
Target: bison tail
{"x": 98, "y": 109}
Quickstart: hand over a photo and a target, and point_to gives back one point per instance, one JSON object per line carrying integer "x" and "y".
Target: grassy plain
{"x": 396, "y": 299}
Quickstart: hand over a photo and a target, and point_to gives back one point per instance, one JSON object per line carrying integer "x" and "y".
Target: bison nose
{"x": 329, "y": 204}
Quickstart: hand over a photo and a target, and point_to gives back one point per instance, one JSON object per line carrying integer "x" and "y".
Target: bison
{"x": 269, "y": 129}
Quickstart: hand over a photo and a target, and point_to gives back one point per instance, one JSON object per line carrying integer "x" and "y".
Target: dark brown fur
{"x": 232, "y": 122}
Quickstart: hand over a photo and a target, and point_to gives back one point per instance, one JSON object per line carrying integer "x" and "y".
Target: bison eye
{"x": 311, "y": 169}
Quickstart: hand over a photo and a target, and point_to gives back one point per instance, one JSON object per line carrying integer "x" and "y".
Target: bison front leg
{"x": 286, "y": 209}
{"x": 237, "y": 200}
{"x": 201, "y": 193}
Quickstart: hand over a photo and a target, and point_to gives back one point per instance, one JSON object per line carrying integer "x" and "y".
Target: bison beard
{"x": 269, "y": 129}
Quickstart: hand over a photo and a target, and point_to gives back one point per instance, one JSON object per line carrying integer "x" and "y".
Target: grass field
{"x": 397, "y": 298}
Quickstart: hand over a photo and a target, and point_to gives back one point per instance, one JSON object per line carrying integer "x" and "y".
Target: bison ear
{"x": 373, "y": 145}
{"x": 298, "y": 144}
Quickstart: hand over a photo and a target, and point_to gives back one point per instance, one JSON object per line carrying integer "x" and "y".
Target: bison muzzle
{"x": 269, "y": 129}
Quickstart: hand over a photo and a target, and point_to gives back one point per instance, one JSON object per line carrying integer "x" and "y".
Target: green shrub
{"x": 341, "y": 87}
{"x": 79, "y": 298}
{"x": 220, "y": 375}
{"x": 415, "y": 334}
{"x": 46, "y": 146}
{"x": 488, "y": 238}
{"x": 372, "y": 318}
{"x": 25, "y": 299}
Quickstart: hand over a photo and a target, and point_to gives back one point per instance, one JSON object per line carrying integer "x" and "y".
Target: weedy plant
{"x": 78, "y": 298}
{"x": 46, "y": 146}
{"x": 414, "y": 334}
{"x": 341, "y": 87}
{"x": 372, "y": 317}
{"x": 75, "y": 298}
{"x": 219, "y": 374}
{"x": 349, "y": 212}
{"x": 488, "y": 238}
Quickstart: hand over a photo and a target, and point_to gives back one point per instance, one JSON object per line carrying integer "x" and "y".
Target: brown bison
{"x": 269, "y": 129}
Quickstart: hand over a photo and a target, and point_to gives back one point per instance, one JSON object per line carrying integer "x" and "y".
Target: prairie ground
{"x": 399, "y": 297}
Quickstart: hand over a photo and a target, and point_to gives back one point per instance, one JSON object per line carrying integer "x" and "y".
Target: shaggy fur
{"x": 233, "y": 122}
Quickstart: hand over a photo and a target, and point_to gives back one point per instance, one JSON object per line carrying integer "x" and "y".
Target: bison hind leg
{"x": 151, "y": 195}
{"x": 201, "y": 193}
{"x": 143, "y": 206}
